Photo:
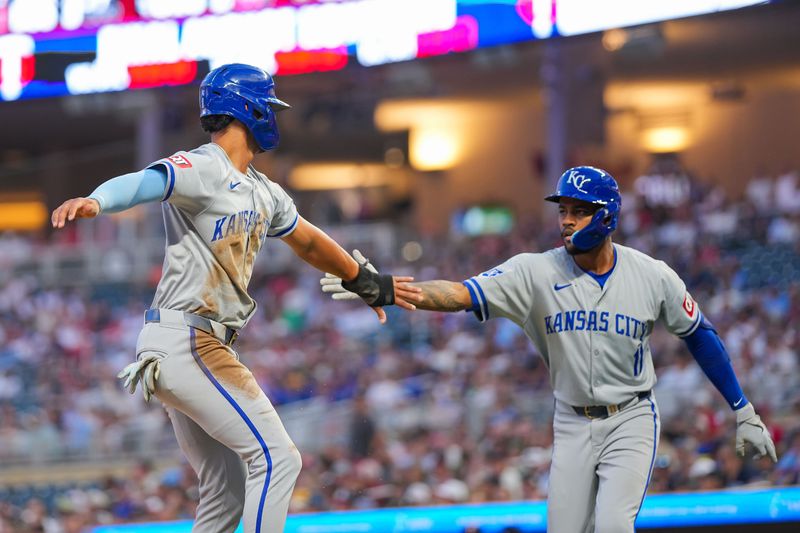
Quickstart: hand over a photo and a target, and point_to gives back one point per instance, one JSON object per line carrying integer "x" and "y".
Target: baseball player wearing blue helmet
{"x": 247, "y": 94}
{"x": 590, "y": 307}
{"x": 219, "y": 211}
{"x": 595, "y": 187}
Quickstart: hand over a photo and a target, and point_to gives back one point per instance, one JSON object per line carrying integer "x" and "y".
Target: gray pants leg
{"x": 221, "y": 504}
{"x": 601, "y": 469}
{"x": 573, "y": 483}
{"x": 204, "y": 380}
{"x": 625, "y": 465}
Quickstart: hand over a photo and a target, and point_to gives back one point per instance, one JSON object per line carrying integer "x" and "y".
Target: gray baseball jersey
{"x": 594, "y": 340}
{"x": 216, "y": 221}
{"x": 593, "y": 333}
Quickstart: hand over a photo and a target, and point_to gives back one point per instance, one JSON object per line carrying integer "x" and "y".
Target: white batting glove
{"x": 146, "y": 370}
{"x": 333, "y": 284}
{"x": 750, "y": 429}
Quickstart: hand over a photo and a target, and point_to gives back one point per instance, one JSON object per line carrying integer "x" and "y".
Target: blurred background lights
{"x": 542, "y": 18}
{"x": 614, "y": 39}
{"x": 411, "y": 251}
{"x": 665, "y": 139}
{"x": 394, "y": 157}
{"x": 483, "y": 220}
{"x": 322, "y": 176}
{"x": 433, "y": 148}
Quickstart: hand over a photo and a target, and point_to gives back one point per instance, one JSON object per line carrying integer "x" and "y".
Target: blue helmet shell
{"x": 597, "y": 187}
{"x": 247, "y": 94}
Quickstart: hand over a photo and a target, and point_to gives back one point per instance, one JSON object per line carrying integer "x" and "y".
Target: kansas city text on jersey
{"x": 241, "y": 222}
{"x": 583, "y": 320}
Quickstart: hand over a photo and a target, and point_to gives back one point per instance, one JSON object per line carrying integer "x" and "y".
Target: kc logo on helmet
{"x": 578, "y": 180}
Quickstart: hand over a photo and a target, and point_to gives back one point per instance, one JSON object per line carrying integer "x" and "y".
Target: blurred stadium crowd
{"x": 439, "y": 408}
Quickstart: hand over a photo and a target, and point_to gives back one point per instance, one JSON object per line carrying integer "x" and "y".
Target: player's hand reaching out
{"x": 404, "y": 295}
{"x": 74, "y": 208}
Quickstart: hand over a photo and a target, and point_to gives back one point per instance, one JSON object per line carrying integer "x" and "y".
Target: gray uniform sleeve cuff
{"x": 693, "y": 327}
{"x": 479, "y": 304}
{"x": 287, "y": 230}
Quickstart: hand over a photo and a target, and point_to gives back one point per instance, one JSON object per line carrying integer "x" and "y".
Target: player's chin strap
{"x": 377, "y": 290}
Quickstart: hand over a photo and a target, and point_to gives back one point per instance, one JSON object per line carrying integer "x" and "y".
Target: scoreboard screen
{"x": 64, "y": 47}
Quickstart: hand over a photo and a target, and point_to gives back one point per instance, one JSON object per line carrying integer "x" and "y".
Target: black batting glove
{"x": 377, "y": 290}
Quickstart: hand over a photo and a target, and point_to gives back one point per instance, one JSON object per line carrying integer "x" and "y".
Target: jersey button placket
{"x": 592, "y": 378}
{"x": 594, "y": 352}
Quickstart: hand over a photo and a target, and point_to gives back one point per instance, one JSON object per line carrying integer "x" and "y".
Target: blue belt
{"x": 222, "y": 332}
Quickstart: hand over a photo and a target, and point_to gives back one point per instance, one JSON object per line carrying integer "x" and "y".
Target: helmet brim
{"x": 277, "y": 104}
{"x": 556, "y": 198}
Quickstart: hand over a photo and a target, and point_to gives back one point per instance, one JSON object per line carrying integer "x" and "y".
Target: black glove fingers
{"x": 376, "y": 290}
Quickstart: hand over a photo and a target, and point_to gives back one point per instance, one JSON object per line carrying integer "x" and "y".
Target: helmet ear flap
{"x": 603, "y": 223}
{"x": 607, "y": 217}
{"x": 613, "y": 216}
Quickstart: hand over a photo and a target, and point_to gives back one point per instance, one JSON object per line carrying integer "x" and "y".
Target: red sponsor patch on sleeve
{"x": 180, "y": 161}
{"x": 689, "y": 306}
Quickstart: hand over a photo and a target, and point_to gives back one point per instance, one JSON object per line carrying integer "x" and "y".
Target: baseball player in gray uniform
{"x": 218, "y": 212}
{"x": 590, "y": 307}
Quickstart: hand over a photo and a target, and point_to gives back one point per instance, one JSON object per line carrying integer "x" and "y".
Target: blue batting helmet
{"x": 596, "y": 187}
{"x": 247, "y": 94}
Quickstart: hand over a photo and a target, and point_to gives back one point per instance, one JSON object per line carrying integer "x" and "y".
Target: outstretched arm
{"x": 443, "y": 295}
{"x": 436, "y": 295}
{"x": 316, "y": 248}
{"x": 116, "y": 194}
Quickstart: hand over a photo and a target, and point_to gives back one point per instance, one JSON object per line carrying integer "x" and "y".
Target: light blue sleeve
{"x": 128, "y": 190}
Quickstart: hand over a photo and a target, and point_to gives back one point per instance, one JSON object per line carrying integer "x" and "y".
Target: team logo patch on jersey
{"x": 180, "y": 161}
{"x": 491, "y": 273}
{"x": 689, "y": 306}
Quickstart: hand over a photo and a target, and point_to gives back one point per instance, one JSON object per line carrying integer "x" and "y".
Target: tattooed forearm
{"x": 443, "y": 295}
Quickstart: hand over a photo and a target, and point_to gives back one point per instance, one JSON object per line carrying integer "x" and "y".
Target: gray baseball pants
{"x": 229, "y": 431}
{"x": 601, "y": 468}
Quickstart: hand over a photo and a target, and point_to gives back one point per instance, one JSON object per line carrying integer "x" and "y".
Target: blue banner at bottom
{"x": 658, "y": 511}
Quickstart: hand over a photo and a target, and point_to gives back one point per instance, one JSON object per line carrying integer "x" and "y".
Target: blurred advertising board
{"x": 679, "y": 510}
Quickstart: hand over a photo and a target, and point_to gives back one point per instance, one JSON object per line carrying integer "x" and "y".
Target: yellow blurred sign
{"x": 22, "y": 215}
